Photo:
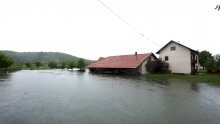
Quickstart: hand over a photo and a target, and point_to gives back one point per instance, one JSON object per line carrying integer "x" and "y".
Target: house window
{"x": 173, "y": 48}
{"x": 166, "y": 58}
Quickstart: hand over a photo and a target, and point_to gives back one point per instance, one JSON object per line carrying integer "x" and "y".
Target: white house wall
{"x": 142, "y": 68}
{"x": 179, "y": 59}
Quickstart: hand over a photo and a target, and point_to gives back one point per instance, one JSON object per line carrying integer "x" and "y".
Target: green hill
{"x": 44, "y": 57}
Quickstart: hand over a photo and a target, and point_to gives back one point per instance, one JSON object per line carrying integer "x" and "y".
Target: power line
{"x": 132, "y": 27}
{"x": 120, "y": 17}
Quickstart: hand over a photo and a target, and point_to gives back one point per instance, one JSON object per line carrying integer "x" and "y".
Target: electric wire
{"x": 126, "y": 22}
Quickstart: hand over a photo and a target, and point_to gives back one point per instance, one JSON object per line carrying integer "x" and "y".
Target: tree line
{"x": 209, "y": 61}
{"x": 43, "y": 57}
{"x": 206, "y": 60}
{"x": 80, "y": 65}
{"x": 7, "y": 62}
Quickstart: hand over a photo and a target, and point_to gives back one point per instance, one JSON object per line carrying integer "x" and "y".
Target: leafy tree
{"x": 63, "y": 65}
{"x": 204, "y": 57}
{"x": 38, "y": 64}
{"x": 28, "y": 64}
{"x": 210, "y": 63}
{"x": 81, "y": 64}
{"x": 217, "y": 61}
{"x": 5, "y": 61}
{"x": 52, "y": 64}
{"x": 72, "y": 65}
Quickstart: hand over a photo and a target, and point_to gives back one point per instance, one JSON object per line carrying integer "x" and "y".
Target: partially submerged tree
{"x": 63, "y": 65}
{"x": 71, "y": 65}
{"x": 28, "y": 64}
{"x": 38, "y": 64}
{"x": 81, "y": 64}
{"x": 52, "y": 64}
{"x": 5, "y": 61}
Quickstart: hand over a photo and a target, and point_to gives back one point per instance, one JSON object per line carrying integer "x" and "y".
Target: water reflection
{"x": 4, "y": 76}
{"x": 155, "y": 80}
{"x": 62, "y": 96}
{"x": 195, "y": 87}
{"x": 162, "y": 82}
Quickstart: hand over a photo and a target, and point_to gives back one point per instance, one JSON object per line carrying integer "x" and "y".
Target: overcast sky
{"x": 85, "y": 28}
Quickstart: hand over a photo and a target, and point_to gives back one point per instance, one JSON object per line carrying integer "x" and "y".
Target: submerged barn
{"x": 130, "y": 64}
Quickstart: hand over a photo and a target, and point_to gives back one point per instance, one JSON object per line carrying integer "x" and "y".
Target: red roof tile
{"x": 121, "y": 61}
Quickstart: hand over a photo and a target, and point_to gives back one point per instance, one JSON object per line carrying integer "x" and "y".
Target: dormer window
{"x": 173, "y": 48}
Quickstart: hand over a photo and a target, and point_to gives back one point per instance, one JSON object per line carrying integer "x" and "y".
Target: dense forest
{"x": 43, "y": 57}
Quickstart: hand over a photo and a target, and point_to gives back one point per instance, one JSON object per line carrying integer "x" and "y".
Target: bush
{"x": 28, "y": 65}
{"x": 157, "y": 66}
{"x": 71, "y": 65}
{"x": 5, "y": 61}
{"x": 38, "y": 64}
{"x": 52, "y": 64}
{"x": 194, "y": 72}
{"x": 81, "y": 65}
{"x": 63, "y": 65}
{"x": 165, "y": 67}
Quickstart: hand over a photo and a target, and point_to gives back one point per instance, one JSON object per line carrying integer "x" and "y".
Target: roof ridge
{"x": 122, "y": 60}
{"x": 129, "y": 54}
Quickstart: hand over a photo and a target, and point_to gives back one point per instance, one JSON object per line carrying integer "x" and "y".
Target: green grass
{"x": 200, "y": 78}
{"x": 202, "y": 71}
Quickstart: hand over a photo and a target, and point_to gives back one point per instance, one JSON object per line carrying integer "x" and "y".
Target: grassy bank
{"x": 200, "y": 78}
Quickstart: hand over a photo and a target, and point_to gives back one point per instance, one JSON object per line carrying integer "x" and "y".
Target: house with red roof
{"x": 130, "y": 64}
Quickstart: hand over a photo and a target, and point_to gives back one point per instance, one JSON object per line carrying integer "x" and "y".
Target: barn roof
{"x": 121, "y": 61}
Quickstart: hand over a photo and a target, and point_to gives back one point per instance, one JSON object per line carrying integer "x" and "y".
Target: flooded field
{"x": 67, "y": 97}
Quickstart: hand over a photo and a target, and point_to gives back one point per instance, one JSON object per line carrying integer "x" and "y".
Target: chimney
{"x": 135, "y": 53}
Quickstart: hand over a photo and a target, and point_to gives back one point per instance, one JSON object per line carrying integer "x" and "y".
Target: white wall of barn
{"x": 142, "y": 68}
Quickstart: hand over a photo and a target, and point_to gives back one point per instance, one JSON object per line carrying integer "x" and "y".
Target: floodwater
{"x": 71, "y": 97}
